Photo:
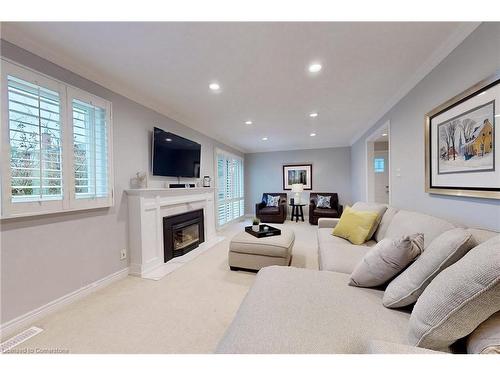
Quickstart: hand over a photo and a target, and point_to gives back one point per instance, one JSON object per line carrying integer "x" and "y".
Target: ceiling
{"x": 261, "y": 68}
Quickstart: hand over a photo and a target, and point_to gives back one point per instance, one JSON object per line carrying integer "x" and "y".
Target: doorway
{"x": 378, "y": 166}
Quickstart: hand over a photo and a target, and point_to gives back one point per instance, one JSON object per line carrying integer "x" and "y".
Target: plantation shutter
{"x": 230, "y": 197}
{"x": 91, "y": 149}
{"x": 34, "y": 115}
{"x": 55, "y": 146}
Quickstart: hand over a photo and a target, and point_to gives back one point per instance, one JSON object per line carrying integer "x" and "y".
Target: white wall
{"x": 473, "y": 60}
{"x": 331, "y": 173}
{"x": 46, "y": 257}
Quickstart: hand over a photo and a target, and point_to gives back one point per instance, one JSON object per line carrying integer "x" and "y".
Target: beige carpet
{"x": 185, "y": 312}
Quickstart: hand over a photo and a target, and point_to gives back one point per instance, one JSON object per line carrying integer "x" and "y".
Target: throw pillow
{"x": 386, "y": 259}
{"x": 323, "y": 201}
{"x": 355, "y": 226}
{"x": 459, "y": 299}
{"x": 486, "y": 338}
{"x": 445, "y": 250}
{"x": 273, "y": 200}
{"x": 373, "y": 207}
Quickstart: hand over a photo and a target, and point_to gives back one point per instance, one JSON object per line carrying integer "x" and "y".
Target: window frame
{"x": 232, "y": 156}
{"x": 10, "y": 209}
{"x": 88, "y": 203}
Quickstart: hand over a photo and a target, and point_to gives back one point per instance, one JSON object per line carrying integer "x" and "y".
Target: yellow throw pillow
{"x": 355, "y": 226}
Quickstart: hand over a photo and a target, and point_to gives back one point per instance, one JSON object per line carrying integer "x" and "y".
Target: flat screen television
{"x": 175, "y": 156}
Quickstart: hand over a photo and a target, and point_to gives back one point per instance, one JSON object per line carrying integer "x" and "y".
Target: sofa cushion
{"x": 293, "y": 310}
{"x": 405, "y": 222}
{"x": 337, "y": 254}
{"x": 326, "y": 212}
{"x": 356, "y": 226}
{"x": 445, "y": 250}
{"x": 384, "y": 223}
{"x": 372, "y": 207}
{"x": 269, "y": 210}
{"x": 386, "y": 259}
{"x": 459, "y": 299}
{"x": 486, "y": 338}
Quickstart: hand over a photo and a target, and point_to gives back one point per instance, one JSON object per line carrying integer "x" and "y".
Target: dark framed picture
{"x": 460, "y": 143}
{"x": 297, "y": 174}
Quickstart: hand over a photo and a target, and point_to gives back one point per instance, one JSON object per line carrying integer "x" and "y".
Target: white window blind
{"x": 90, "y": 150}
{"x": 230, "y": 193}
{"x": 55, "y": 145}
{"x": 35, "y": 142}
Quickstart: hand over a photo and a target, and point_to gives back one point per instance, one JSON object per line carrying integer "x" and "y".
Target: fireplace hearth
{"x": 182, "y": 233}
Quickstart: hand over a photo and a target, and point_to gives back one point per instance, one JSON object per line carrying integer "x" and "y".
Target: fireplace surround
{"x": 146, "y": 210}
{"x": 182, "y": 233}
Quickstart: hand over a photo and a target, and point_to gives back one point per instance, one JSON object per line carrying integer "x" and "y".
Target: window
{"x": 55, "y": 145}
{"x": 230, "y": 194}
{"x": 35, "y": 142}
{"x": 379, "y": 165}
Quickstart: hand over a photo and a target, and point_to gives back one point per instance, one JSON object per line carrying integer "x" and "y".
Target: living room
{"x": 250, "y": 188}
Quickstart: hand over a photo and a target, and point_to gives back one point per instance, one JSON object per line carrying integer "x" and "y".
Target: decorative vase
{"x": 255, "y": 228}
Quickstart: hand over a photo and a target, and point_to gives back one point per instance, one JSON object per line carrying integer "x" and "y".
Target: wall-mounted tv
{"x": 175, "y": 156}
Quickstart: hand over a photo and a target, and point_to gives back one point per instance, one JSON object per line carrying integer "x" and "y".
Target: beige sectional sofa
{"x": 292, "y": 310}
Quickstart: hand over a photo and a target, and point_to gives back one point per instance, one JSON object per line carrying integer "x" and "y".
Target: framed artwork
{"x": 297, "y": 174}
{"x": 460, "y": 143}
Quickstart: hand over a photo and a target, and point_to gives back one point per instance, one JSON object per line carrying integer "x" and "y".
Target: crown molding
{"x": 452, "y": 42}
{"x": 11, "y": 33}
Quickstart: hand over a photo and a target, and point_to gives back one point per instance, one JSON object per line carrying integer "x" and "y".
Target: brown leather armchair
{"x": 315, "y": 212}
{"x": 272, "y": 214}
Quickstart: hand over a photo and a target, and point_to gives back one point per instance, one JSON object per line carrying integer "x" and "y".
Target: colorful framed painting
{"x": 460, "y": 143}
{"x": 297, "y": 174}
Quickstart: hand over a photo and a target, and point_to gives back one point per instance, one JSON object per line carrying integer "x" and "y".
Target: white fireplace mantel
{"x": 146, "y": 210}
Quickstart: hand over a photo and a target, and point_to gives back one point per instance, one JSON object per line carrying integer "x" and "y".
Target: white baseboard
{"x": 18, "y": 323}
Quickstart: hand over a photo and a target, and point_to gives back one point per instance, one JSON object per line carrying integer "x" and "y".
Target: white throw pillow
{"x": 323, "y": 201}
{"x": 273, "y": 200}
{"x": 386, "y": 259}
{"x": 445, "y": 250}
{"x": 459, "y": 299}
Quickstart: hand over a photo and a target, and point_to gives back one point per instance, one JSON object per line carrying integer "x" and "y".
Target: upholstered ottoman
{"x": 251, "y": 253}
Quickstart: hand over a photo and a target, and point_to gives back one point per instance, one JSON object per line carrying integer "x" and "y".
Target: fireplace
{"x": 182, "y": 233}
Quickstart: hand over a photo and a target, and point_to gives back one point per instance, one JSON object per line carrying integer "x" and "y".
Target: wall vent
{"x": 19, "y": 338}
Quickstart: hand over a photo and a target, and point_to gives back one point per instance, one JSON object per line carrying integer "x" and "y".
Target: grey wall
{"x": 46, "y": 257}
{"x": 331, "y": 173}
{"x": 473, "y": 60}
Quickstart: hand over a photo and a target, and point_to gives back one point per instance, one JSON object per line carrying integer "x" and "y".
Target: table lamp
{"x": 297, "y": 189}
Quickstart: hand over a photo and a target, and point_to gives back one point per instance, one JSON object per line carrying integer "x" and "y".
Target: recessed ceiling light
{"x": 313, "y": 114}
{"x": 214, "y": 86}
{"x": 249, "y": 122}
{"x": 312, "y": 135}
{"x": 169, "y": 139}
{"x": 314, "y": 67}
{"x": 264, "y": 138}
{"x": 384, "y": 135}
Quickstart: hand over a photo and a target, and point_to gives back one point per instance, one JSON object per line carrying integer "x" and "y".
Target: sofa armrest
{"x": 327, "y": 222}
{"x": 385, "y": 347}
{"x": 259, "y": 206}
{"x": 340, "y": 209}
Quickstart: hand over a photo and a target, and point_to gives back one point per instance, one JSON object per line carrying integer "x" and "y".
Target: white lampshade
{"x": 297, "y": 188}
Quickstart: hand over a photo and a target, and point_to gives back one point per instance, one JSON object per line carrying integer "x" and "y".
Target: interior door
{"x": 380, "y": 166}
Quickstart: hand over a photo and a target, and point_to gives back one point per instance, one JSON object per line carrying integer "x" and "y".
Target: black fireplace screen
{"x": 182, "y": 233}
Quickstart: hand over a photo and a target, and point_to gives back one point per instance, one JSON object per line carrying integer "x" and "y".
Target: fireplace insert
{"x": 182, "y": 233}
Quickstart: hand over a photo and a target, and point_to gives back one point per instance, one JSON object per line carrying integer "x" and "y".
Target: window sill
{"x": 34, "y": 214}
